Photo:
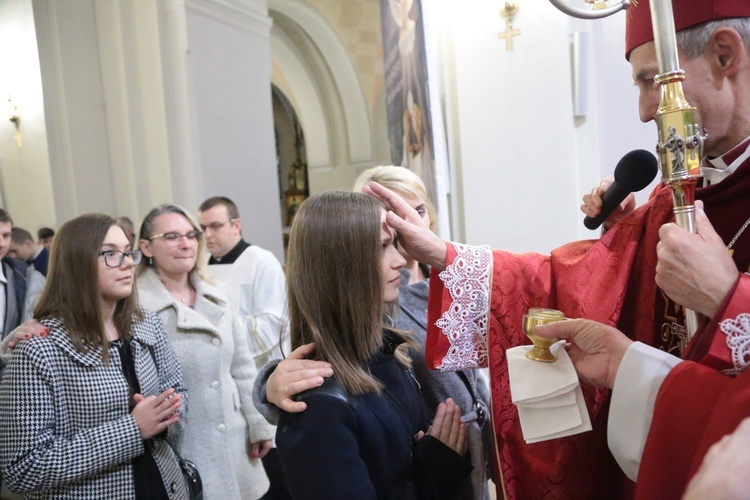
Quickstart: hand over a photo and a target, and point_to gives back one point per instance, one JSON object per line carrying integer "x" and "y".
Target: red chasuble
{"x": 475, "y": 314}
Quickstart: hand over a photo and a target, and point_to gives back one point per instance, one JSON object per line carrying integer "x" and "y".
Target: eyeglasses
{"x": 215, "y": 226}
{"x": 115, "y": 258}
{"x": 174, "y": 236}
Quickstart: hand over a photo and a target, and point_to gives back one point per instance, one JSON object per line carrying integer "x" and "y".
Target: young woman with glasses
{"x": 222, "y": 432}
{"x": 85, "y": 406}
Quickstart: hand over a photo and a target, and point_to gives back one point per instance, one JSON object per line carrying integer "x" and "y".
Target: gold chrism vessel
{"x": 540, "y": 316}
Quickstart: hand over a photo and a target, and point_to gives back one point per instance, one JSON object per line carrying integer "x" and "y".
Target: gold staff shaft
{"x": 680, "y": 143}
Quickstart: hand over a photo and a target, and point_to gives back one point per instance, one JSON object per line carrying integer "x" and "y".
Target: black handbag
{"x": 192, "y": 478}
{"x": 190, "y": 474}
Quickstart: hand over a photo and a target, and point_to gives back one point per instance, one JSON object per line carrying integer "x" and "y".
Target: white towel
{"x": 549, "y": 398}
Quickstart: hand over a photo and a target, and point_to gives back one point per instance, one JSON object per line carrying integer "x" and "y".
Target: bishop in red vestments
{"x": 477, "y": 301}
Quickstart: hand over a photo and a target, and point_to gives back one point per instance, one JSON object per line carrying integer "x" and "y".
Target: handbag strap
{"x": 419, "y": 321}
{"x": 464, "y": 378}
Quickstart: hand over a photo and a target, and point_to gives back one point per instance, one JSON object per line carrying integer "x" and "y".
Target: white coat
{"x": 257, "y": 291}
{"x": 218, "y": 372}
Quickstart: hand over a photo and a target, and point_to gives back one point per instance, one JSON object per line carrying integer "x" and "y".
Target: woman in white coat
{"x": 223, "y": 433}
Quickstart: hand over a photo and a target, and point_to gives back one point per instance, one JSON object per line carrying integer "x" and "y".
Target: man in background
{"x": 23, "y": 247}
{"x": 255, "y": 277}
{"x": 20, "y": 284}
{"x": 256, "y": 286}
{"x": 44, "y": 237}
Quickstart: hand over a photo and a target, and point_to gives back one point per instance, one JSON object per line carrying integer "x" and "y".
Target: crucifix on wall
{"x": 510, "y": 10}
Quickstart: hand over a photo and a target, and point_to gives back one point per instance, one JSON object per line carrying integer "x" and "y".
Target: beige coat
{"x": 218, "y": 372}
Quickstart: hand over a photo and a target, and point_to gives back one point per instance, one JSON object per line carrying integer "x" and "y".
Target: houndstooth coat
{"x": 65, "y": 427}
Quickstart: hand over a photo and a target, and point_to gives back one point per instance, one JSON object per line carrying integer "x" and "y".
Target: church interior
{"x": 116, "y": 107}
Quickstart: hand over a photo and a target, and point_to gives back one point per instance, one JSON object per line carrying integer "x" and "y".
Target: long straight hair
{"x": 72, "y": 291}
{"x": 334, "y": 283}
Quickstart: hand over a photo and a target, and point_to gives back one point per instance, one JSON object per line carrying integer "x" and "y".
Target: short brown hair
{"x": 19, "y": 235}
{"x": 45, "y": 232}
{"x": 5, "y": 216}
{"x": 72, "y": 293}
{"x": 210, "y": 203}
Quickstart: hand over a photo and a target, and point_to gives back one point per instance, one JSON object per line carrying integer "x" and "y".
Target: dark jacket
{"x": 362, "y": 447}
{"x": 41, "y": 262}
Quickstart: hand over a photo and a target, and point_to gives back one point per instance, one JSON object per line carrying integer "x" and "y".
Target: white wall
{"x": 229, "y": 73}
{"x": 522, "y": 160}
{"x": 25, "y": 183}
{"x": 75, "y": 107}
{"x": 616, "y": 107}
{"x": 154, "y": 102}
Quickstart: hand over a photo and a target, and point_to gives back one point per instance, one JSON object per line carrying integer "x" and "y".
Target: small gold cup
{"x": 540, "y": 316}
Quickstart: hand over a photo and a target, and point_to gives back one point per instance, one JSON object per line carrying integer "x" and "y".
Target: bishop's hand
{"x": 417, "y": 240}
{"x": 695, "y": 270}
{"x": 595, "y": 349}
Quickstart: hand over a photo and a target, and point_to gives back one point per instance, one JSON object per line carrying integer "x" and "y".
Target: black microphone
{"x": 633, "y": 172}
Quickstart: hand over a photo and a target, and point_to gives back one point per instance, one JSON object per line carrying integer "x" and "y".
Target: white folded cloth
{"x": 548, "y": 396}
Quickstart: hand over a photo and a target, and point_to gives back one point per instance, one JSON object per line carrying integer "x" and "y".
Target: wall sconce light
{"x": 15, "y": 119}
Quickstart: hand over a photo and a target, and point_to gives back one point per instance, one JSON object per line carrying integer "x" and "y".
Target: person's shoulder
{"x": 332, "y": 390}
{"x": 14, "y": 263}
{"x": 257, "y": 255}
{"x": 146, "y": 317}
{"x": 34, "y": 277}
{"x": 147, "y": 328}
{"x": 215, "y": 290}
{"x": 39, "y": 348}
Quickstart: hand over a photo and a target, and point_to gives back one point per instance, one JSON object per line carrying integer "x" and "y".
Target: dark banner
{"x": 407, "y": 100}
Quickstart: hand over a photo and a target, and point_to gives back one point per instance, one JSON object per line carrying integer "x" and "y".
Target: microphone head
{"x": 636, "y": 170}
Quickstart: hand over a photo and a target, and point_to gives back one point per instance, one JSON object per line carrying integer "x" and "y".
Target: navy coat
{"x": 362, "y": 447}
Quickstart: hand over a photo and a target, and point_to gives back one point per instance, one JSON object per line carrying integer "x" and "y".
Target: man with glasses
{"x": 255, "y": 278}
{"x": 256, "y": 286}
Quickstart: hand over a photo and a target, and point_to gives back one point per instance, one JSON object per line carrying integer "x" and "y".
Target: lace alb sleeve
{"x": 737, "y": 331}
{"x": 464, "y": 323}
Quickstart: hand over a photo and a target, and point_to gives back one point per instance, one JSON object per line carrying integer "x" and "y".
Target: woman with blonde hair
{"x": 222, "y": 433}
{"x": 363, "y": 433}
{"x": 85, "y": 406}
{"x": 412, "y": 189}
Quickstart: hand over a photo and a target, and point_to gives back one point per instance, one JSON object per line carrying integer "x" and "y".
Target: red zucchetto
{"x": 687, "y": 13}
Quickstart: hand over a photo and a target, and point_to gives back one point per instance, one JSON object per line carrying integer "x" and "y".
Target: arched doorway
{"x": 291, "y": 158}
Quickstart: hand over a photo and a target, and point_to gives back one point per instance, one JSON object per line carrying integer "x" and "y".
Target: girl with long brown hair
{"x": 84, "y": 408}
{"x": 363, "y": 432}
